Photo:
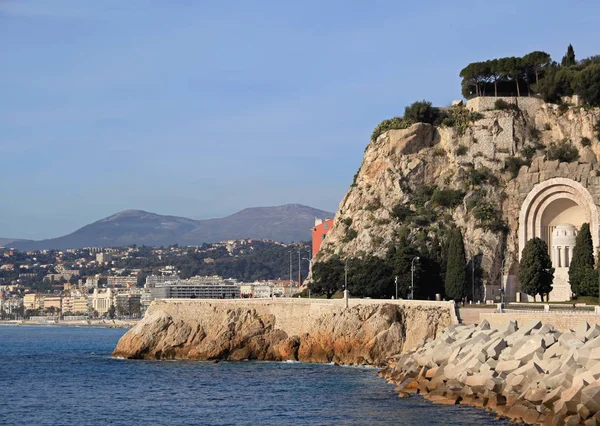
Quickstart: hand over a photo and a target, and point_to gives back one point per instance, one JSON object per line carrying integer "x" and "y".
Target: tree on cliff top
{"x": 582, "y": 263}
{"x": 535, "y": 270}
{"x": 456, "y": 268}
{"x": 569, "y": 58}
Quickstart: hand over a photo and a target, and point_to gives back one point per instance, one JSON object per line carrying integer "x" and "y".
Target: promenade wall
{"x": 562, "y": 321}
{"x": 294, "y": 316}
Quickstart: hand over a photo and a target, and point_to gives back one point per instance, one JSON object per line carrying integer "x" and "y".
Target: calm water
{"x": 64, "y": 375}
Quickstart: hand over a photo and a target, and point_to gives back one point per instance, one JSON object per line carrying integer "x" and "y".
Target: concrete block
{"x": 495, "y": 348}
{"x": 551, "y": 397}
{"x": 581, "y": 330}
{"x": 525, "y": 353}
{"x": 529, "y": 327}
{"x": 477, "y": 382}
{"x": 535, "y": 396}
{"x": 570, "y": 340}
{"x": 441, "y": 353}
{"x": 590, "y": 397}
{"x": 508, "y": 366}
{"x": 583, "y": 411}
{"x": 484, "y": 325}
{"x": 554, "y": 351}
{"x": 572, "y": 420}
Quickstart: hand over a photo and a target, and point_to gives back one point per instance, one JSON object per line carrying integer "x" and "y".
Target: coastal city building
{"x": 321, "y": 228}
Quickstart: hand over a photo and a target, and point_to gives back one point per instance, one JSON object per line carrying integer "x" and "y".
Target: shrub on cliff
{"x": 423, "y": 112}
{"x": 564, "y": 152}
{"x": 417, "y": 112}
{"x": 392, "y": 123}
{"x": 456, "y": 267}
{"x": 448, "y": 197}
{"x": 535, "y": 269}
{"x": 582, "y": 264}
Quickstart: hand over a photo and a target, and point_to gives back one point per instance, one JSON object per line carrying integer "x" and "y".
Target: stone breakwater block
{"x": 572, "y": 420}
{"x": 581, "y": 330}
{"x": 495, "y": 348}
{"x": 592, "y": 343}
{"x": 484, "y": 325}
{"x": 529, "y": 327}
{"x": 521, "y": 412}
{"x": 593, "y": 332}
{"x": 529, "y": 348}
{"x": 570, "y": 339}
{"x": 477, "y": 382}
{"x": 495, "y": 385}
{"x": 508, "y": 366}
{"x": 590, "y": 397}
{"x": 551, "y": 397}
{"x": 441, "y": 353}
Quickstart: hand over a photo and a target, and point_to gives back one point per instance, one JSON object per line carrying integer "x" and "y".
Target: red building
{"x": 321, "y": 228}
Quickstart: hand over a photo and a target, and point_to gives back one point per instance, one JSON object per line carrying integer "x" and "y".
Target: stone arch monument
{"x": 554, "y": 210}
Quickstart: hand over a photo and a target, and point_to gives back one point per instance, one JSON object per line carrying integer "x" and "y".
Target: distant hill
{"x": 290, "y": 222}
{"x": 5, "y": 242}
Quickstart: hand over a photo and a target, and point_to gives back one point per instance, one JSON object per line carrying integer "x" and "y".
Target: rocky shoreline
{"x": 532, "y": 374}
{"x": 309, "y": 331}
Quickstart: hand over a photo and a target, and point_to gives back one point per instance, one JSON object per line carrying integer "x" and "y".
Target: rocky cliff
{"x": 480, "y": 160}
{"x": 322, "y": 331}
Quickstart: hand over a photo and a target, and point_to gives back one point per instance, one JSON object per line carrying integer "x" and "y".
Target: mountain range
{"x": 290, "y": 222}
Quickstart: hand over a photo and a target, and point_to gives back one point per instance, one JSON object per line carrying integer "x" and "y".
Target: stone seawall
{"x": 313, "y": 330}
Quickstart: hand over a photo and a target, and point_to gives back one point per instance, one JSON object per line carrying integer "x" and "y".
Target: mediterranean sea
{"x": 65, "y": 375}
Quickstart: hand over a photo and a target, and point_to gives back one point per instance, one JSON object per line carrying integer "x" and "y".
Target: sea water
{"x": 66, "y": 376}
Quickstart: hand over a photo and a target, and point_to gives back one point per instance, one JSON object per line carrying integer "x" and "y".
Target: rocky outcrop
{"x": 399, "y": 163}
{"x": 364, "y": 334}
{"x": 533, "y": 374}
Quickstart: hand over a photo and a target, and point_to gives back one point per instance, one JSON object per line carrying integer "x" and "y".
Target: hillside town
{"x": 121, "y": 282}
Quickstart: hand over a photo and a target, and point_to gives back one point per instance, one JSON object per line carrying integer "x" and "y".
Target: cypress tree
{"x": 582, "y": 264}
{"x": 535, "y": 270}
{"x": 456, "y": 267}
{"x": 569, "y": 58}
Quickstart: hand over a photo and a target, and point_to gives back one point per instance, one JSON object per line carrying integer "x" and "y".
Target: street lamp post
{"x": 396, "y": 281}
{"x": 290, "y": 268}
{"x": 346, "y": 283}
{"x": 473, "y": 277}
{"x": 412, "y": 278}
{"x": 502, "y": 290}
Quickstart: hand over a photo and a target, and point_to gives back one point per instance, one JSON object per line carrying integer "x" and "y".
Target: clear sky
{"x": 202, "y": 108}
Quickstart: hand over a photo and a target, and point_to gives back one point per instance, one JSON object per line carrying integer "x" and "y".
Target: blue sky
{"x": 200, "y": 109}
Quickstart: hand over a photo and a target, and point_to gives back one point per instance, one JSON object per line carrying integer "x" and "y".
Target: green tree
{"x": 370, "y": 277}
{"x": 582, "y": 263}
{"x": 536, "y": 62}
{"x": 400, "y": 258}
{"x": 586, "y": 84}
{"x": 535, "y": 270}
{"x": 456, "y": 272}
{"x": 328, "y": 277}
{"x": 111, "y": 312}
{"x": 569, "y": 58}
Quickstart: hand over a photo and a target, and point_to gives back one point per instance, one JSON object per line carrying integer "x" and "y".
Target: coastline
{"x": 125, "y": 324}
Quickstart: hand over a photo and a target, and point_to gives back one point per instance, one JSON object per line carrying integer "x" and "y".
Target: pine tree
{"x": 582, "y": 263}
{"x": 456, "y": 267}
{"x": 535, "y": 270}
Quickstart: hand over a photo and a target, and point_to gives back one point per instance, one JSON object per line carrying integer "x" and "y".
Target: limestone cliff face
{"x": 270, "y": 330}
{"x": 400, "y": 161}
